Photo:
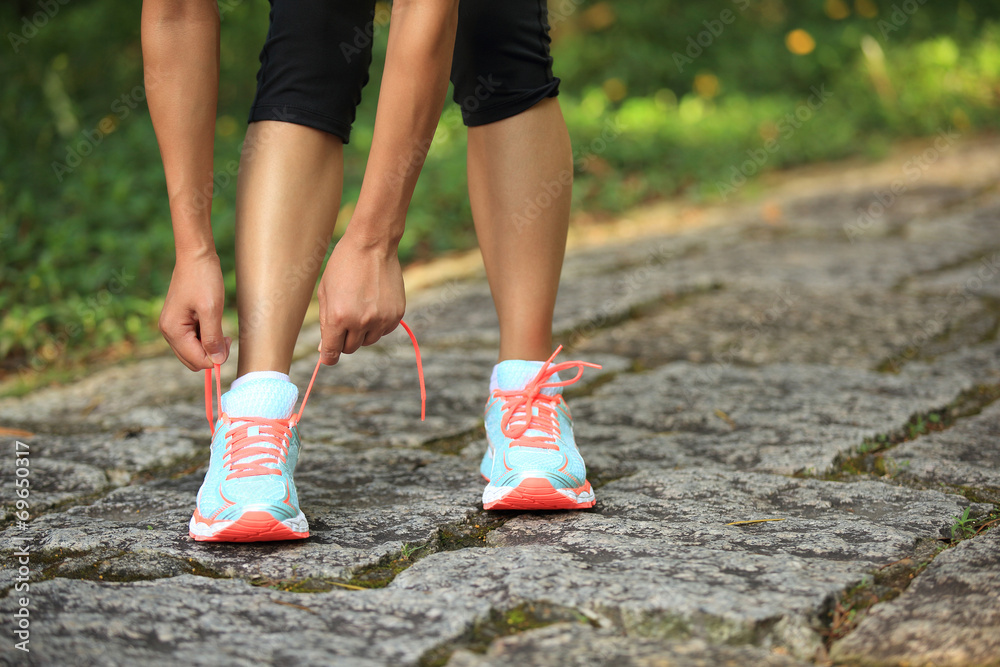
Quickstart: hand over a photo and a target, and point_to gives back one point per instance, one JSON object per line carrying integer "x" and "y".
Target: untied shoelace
{"x": 241, "y": 445}
{"x": 520, "y": 405}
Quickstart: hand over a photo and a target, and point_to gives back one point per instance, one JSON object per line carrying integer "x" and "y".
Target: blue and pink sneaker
{"x": 531, "y": 461}
{"x": 249, "y": 494}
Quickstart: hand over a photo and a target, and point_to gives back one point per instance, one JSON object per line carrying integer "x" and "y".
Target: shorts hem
{"x": 510, "y": 108}
{"x": 306, "y": 117}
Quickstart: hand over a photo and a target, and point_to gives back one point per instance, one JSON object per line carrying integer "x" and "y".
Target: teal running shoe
{"x": 531, "y": 461}
{"x": 248, "y": 494}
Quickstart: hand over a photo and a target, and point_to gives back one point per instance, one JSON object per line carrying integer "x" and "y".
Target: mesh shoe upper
{"x": 245, "y": 450}
{"x": 529, "y": 427}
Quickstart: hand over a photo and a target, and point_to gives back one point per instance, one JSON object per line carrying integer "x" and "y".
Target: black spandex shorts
{"x": 315, "y": 61}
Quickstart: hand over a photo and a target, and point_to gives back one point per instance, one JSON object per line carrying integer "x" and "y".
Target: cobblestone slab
{"x": 966, "y": 455}
{"x": 857, "y": 328}
{"x": 190, "y": 620}
{"x": 361, "y": 506}
{"x": 594, "y": 300}
{"x": 67, "y": 468}
{"x": 948, "y": 616}
{"x": 578, "y": 645}
{"x": 781, "y": 418}
{"x": 657, "y": 559}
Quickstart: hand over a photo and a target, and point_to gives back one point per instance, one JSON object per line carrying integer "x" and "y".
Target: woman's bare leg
{"x": 520, "y": 181}
{"x": 287, "y": 201}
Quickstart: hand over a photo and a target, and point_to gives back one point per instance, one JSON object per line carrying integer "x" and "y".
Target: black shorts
{"x": 316, "y": 57}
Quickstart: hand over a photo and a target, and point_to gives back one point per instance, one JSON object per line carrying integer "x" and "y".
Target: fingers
{"x": 212, "y": 340}
{"x": 354, "y": 340}
{"x": 186, "y": 345}
{"x": 332, "y": 344}
{"x": 337, "y": 340}
{"x": 192, "y": 342}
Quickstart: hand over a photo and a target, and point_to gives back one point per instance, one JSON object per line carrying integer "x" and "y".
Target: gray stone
{"x": 856, "y": 327}
{"x": 361, "y": 506}
{"x": 948, "y": 616}
{"x": 151, "y": 387}
{"x": 591, "y": 301}
{"x": 579, "y": 645}
{"x": 781, "y": 418}
{"x": 860, "y": 214}
{"x": 965, "y": 455}
{"x": 65, "y": 468}
{"x": 657, "y": 559}
{"x": 979, "y": 364}
{"x": 193, "y": 620}
{"x": 976, "y": 225}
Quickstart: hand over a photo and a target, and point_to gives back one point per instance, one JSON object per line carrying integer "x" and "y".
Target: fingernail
{"x": 218, "y": 357}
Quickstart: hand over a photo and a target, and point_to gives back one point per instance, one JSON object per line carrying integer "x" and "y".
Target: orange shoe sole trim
{"x": 253, "y": 527}
{"x": 539, "y": 494}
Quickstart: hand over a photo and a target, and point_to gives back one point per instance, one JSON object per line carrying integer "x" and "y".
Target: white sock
{"x": 255, "y": 375}
{"x": 528, "y": 370}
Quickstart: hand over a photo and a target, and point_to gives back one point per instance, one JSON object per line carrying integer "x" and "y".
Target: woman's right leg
{"x": 288, "y": 197}
{"x": 291, "y": 171}
{"x": 287, "y": 201}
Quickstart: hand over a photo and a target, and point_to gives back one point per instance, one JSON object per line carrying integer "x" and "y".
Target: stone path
{"x": 762, "y": 365}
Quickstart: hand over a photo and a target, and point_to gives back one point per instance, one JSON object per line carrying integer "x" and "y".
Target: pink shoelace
{"x": 530, "y": 409}
{"x": 240, "y": 445}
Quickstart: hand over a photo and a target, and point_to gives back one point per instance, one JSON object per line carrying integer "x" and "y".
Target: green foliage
{"x": 677, "y": 99}
{"x": 963, "y": 527}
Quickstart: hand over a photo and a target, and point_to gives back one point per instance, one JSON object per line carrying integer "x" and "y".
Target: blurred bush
{"x": 660, "y": 100}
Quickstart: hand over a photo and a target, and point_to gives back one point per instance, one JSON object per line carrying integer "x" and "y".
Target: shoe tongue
{"x": 514, "y": 374}
{"x": 269, "y": 398}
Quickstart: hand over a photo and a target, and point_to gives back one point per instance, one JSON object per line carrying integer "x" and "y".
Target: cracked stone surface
{"x": 361, "y": 506}
{"x": 964, "y": 456}
{"x": 200, "y": 621}
{"x": 657, "y": 558}
{"x": 578, "y": 645}
{"x": 748, "y": 326}
{"x": 782, "y": 418}
{"x": 949, "y": 616}
{"x": 746, "y": 354}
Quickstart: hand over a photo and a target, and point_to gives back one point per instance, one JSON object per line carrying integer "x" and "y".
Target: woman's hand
{"x": 191, "y": 319}
{"x": 361, "y": 296}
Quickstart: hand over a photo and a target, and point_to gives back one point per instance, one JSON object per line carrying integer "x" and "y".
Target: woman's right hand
{"x": 191, "y": 319}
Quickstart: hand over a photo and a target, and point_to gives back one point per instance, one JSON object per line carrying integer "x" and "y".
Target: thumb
{"x": 214, "y": 342}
